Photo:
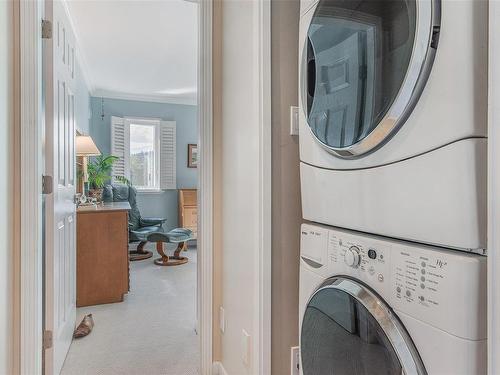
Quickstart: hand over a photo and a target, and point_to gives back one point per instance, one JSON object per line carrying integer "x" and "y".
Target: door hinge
{"x": 46, "y": 29}
{"x": 47, "y": 339}
{"x": 47, "y": 184}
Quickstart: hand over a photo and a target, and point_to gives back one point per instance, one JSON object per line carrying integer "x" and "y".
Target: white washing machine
{"x": 393, "y": 118}
{"x": 370, "y": 305}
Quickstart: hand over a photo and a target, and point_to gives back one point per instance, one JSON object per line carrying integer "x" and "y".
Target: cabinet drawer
{"x": 190, "y": 217}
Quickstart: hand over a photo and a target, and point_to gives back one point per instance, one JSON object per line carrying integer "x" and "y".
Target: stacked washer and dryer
{"x": 393, "y": 145}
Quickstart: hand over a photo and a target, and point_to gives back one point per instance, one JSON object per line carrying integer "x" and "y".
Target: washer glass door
{"x": 347, "y": 329}
{"x": 364, "y": 66}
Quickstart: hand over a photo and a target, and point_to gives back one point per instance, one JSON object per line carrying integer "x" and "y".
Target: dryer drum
{"x": 365, "y": 64}
{"x": 348, "y": 329}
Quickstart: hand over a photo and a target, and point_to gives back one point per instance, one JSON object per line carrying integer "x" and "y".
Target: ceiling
{"x": 143, "y": 50}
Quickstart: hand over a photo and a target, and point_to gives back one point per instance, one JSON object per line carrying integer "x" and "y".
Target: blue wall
{"x": 82, "y": 102}
{"x": 152, "y": 204}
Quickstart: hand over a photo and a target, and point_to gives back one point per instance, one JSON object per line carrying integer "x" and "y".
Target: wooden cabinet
{"x": 188, "y": 210}
{"x": 102, "y": 265}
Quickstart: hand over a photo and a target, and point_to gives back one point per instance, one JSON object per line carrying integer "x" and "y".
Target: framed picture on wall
{"x": 192, "y": 155}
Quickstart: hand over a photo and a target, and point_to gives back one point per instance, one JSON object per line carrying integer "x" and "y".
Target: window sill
{"x": 149, "y": 191}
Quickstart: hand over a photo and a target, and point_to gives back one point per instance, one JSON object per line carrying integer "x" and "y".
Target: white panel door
{"x": 60, "y": 253}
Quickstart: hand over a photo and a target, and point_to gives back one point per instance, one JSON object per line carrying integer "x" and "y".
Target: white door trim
{"x": 205, "y": 181}
{"x": 262, "y": 313}
{"x": 30, "y": 272}
{"x": 493, "y": 189}
{"x": 30, "y": 286}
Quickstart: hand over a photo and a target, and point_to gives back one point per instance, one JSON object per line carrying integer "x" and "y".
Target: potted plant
{"x": 99, "y": 172}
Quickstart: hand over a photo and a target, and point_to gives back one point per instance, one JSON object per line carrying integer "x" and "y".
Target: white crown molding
{"x": 81, "y": 59}
{"x": 154, "y": 98}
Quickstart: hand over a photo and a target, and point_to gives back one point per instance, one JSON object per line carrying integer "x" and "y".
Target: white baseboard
{"x": 218, "y": 369}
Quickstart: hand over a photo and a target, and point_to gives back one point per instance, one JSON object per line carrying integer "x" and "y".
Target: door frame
{"x": 27, "y": 241}
{"x": 493, "y": 188}
{"x": 205, "y": 186}
{"x": 263, "y": 271}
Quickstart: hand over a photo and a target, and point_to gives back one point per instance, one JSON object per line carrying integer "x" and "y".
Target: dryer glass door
{"x": 365, "y": 63}
{"x": 347, "y": 329}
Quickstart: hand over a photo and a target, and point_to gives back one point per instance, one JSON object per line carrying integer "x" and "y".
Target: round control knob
{"x": 351, "y": 257}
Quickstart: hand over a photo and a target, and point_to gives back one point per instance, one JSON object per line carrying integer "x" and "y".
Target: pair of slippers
{"x": 85, "y": 327}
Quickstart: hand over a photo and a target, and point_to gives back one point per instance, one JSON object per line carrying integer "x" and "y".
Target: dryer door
{"x": 365, "y": 64}
{"x": 348, "y": 329}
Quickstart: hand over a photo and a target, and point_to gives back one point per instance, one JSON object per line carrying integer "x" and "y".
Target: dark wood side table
{"x": 102, "y": 265}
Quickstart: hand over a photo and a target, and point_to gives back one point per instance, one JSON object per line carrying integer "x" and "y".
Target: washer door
{"x": 349, "y": 330}
{"x": 365, "y": 64}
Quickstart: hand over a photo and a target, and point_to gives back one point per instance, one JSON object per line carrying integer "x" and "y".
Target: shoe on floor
{"x": 85, "y": 327}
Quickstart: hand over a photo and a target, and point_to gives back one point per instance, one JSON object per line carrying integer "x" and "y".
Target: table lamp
{"x": 85, "y": 147}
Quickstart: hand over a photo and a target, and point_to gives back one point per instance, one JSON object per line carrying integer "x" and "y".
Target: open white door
{"x": 60, "y": 247}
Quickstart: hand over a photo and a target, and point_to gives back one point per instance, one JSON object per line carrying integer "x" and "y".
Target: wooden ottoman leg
{"x": 165, "y": 260}
{"x": 140, "y": 253}
{"x": 180, "y": 247}
{"x": 184, "y": 246}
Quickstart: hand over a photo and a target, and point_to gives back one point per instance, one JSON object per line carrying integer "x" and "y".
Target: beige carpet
{"x": 152, "y": 332}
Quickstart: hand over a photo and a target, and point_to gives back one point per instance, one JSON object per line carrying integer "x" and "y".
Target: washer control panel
{"x": 445, "y": 288}
{"x": 351, "y": 255}
{"x": 418, "y": 278}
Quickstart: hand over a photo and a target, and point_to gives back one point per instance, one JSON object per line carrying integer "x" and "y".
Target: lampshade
{"x": 85, "y": 146}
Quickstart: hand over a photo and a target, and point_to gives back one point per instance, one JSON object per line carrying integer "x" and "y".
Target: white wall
{"x": 240, "y": 170}
{"x": 82, "y": 101}
{"x": 6, "y": 120}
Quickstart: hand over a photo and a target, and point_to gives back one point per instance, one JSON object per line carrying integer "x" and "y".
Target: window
{"x": 143, "y": 156}
{"x": 146, "y": 149}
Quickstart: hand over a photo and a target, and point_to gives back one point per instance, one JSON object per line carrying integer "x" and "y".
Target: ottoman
{"x": 179, "y": 236}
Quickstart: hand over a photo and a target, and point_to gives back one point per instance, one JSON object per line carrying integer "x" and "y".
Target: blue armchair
{"x": 139, "y": 227}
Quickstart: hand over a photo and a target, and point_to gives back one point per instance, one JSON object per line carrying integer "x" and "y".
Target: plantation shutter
{"x": 120, "y": 147}
{"x": 167, "y": 155}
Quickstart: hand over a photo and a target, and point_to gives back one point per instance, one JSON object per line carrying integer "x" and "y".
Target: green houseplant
{"x": 99, "y": 172}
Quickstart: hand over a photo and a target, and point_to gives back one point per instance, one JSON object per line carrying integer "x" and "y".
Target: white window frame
{"x": 154, "y": 122}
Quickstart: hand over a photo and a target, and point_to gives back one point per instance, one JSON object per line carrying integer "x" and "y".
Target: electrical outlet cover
{"x": 222, "y": 319}
{"x": 294, "y": 120}
{"x": 245, "y": 347}
{"x": 294, "y": 360}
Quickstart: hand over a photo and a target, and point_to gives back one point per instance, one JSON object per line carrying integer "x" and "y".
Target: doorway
{"x": 140, "y": 116}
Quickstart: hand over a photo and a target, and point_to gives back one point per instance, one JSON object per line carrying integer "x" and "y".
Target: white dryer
{"x": 370, "y": 305}
{"x": 393, "y": 118}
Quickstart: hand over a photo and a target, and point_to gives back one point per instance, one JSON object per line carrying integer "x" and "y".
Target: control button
{"x": 422, "y": 278}
{"x": 423, "y": 264}
{"x": 372, "y": 254}
{"x": 381, "y": 256}
{"x": 380, "y": 277}
{"x": 422, "y": 285}
{"x": 398, "y": 289}
{"x": 408, "y": 293}
{"x": 371, "y": 270}
{"x": 423, "y": 271}
{"x": 351, "y": 257}
{"x": 421, "y": 298}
